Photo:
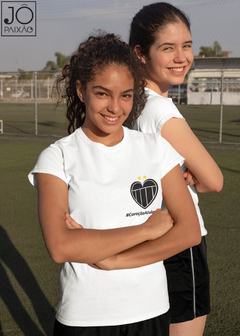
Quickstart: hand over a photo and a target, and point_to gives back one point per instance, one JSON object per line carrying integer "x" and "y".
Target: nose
{"x": 114, "y": 106}
{"x": 179, "y": 56}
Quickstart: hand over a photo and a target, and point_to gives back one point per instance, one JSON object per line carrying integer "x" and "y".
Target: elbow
{"x": 196, "y": 235}
{"x": 218, "y": 189}
{"x": 58, "y": 253}
{"x": 57, "y": 260}
{"x": 194, "y": 240}
{"x": 57, "y": 256}
{"x": 62, "y": 252}
{"x": 213, "y": 186}
{"x": 218, "y": 185}
{"x": 197, "y": 238}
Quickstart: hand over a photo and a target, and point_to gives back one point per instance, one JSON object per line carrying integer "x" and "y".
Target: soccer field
{"x": 30, "y": 279}
{"x": 205, "y": 122}
{"x": 19, "y": 119}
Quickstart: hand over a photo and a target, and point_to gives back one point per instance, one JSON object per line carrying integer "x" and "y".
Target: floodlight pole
{"x": 1, "y": 95}
{"x": 36, "y": 121}
{"x": 221, "y": 107}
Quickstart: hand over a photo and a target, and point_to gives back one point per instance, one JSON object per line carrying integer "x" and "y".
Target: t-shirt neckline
{"x": 157, "y": 94}
{"x": 122, "y": 143}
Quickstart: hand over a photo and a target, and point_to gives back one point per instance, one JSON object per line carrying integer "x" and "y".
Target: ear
{"x": 80, "y": 91}
{"x": 138, "y": 51}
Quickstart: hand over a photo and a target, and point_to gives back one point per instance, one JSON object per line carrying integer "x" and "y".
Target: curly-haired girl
{"x": 105, "y": 176}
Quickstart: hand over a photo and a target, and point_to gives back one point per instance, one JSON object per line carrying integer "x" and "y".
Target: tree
{"x": 22, "y": 74}
{"x": 206, "y": 52}
{"x": 62, "y": 60}
{"x": 214, "y": 51}
{"x": 52, "y": 66}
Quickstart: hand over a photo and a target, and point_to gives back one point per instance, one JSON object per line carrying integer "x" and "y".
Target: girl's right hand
{"x": 71, "y": 223}
{"x": 190, "y": 178}
{"x": 159, "y": 223}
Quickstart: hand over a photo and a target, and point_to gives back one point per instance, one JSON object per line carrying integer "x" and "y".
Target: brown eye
{"x": 167, "y": 48}
{"x": 101, "y": 94}
{"x": 127, "y": 96}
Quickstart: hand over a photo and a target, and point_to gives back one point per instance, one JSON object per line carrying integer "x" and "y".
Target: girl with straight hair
{"x": 161, "y": 37}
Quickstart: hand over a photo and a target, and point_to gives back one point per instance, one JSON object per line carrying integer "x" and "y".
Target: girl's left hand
{"x": 190, "y": 178}
{"x": 71, "y": 223}
{"x": 105, "y": 265}
{"x": 102, "y": 265}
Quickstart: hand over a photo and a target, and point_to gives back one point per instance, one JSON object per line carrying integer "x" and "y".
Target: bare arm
{"x": 184, "y": 234}
{"x": 177, "y": 132}
{"x": 86, "y": 245}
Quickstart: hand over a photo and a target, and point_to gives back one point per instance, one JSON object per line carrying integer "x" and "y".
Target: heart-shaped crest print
{"x": 144, "y": 193}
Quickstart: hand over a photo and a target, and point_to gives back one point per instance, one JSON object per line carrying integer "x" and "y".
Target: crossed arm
{"x": 152, "y": 241}
{"x": 88, "y": 245}
{"x": 203, "y": 172}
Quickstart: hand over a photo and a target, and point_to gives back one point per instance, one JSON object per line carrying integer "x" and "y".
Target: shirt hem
{"x": 113, "y": 322}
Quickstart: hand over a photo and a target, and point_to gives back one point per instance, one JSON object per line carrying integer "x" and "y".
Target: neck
{"x": 108, "y": 140}
{"x": 161, "y": 90}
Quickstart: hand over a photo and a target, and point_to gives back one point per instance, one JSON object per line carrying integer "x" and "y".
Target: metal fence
{"x": 210, "y": 100}
{"x": 211, "y": 103}
{"x": 14, "y": 89}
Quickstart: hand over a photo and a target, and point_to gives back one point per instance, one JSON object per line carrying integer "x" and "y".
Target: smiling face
{"x": 170, "y": 57}
{"x": 109, "y": 100}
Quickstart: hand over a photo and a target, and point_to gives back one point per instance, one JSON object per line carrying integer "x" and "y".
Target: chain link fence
{"x": 209, "y": 100}
{"x": 14, "y": 89}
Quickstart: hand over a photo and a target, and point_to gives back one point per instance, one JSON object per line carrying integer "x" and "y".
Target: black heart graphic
{"x": 144, "y": 194}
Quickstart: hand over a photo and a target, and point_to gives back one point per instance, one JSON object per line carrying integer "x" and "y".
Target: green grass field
{"x": 204, "y": 120}
{"x": 30, "y": 279}
{"x": 19, "y": 119}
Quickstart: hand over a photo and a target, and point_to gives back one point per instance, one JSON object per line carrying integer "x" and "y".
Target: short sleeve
{"x": 157, "y": 111}
{"x": 50, "y": 161}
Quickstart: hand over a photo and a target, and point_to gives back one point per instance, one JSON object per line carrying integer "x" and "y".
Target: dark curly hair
{"x": 93, "y": 56}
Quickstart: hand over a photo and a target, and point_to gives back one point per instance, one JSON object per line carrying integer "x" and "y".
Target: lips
{"x": 111, "y": 118}
{"x": 177, "y": 69}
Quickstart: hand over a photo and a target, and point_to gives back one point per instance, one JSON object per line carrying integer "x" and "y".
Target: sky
{"x": 62, "y": 24}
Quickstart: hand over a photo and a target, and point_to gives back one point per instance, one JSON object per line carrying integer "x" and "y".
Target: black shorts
{"x": 188, "y": 283}
{"x": 156, "y": 326}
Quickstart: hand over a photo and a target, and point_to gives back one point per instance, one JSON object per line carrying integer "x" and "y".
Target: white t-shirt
{"x": 110, "y": 187}
{"x": 157, "y": 111}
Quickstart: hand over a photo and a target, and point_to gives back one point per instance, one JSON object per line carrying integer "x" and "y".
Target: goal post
{"x": 1, "y": 126}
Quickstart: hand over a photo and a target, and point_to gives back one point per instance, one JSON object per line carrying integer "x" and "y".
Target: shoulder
{"x": 157, "y": 103}
{"x": 54, "y": 159}
{"x": 57, "y": 149}
{"x": 156, "y": 112}
{"x": 69, "y": 139}
{"x": 155, "y": 148}
{"x": 148, "y": 139}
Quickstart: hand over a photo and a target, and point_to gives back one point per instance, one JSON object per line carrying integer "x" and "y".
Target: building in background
{"x": 214, "y": 81}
